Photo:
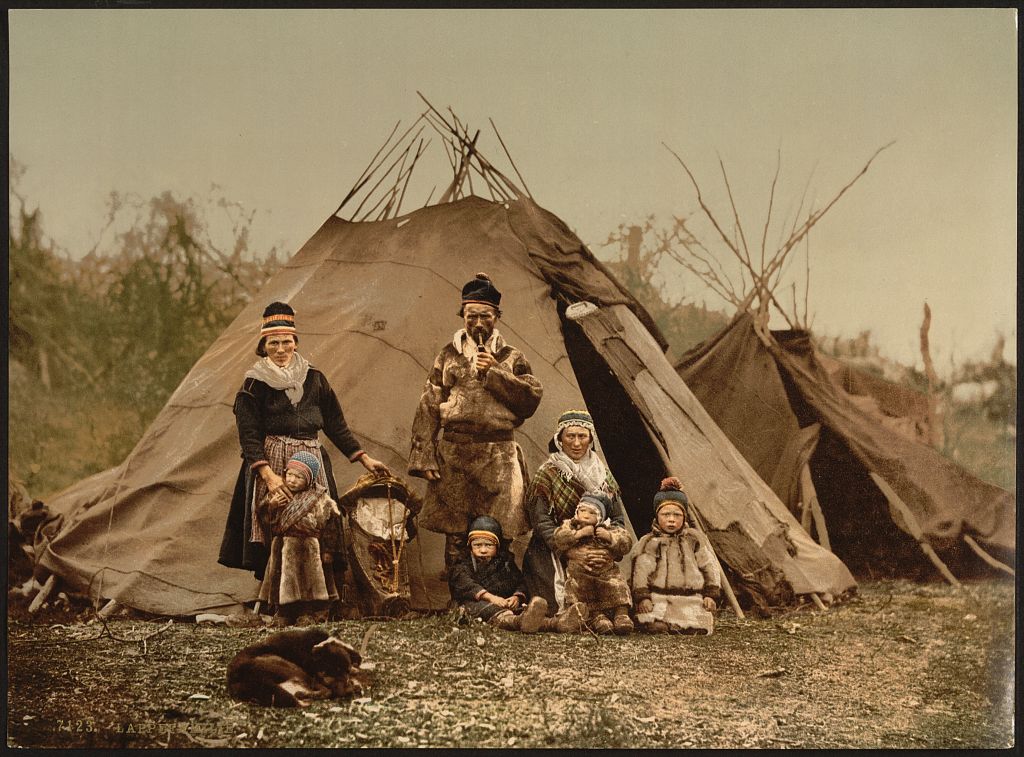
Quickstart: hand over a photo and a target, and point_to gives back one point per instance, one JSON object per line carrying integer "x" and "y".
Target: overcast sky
{"x": 283, "y": 109}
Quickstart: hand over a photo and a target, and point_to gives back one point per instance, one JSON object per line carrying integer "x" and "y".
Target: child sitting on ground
{"x": 488, "y": 585}
{"x": 594, "y": 589}
{"x": 298, "y": 583}
{"x": 676, "y": 579}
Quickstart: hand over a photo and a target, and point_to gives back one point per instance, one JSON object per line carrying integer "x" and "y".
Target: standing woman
{"x": 283, "y": 403}
{"x": 573, "y": 469}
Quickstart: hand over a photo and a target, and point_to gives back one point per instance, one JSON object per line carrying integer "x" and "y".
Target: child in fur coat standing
{"x": 299, "y": 582}
{"x": 594, "y": 589}
{"x": 676, "y": 579}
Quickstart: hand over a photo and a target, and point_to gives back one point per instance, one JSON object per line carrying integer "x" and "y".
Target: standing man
{"x": 478, "y": 391}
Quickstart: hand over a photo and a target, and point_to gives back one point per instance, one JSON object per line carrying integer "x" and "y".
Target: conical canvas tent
{"x": 879, "y": 490}
{"x": 375, "y": 300}
{"x": 869, "y": 488}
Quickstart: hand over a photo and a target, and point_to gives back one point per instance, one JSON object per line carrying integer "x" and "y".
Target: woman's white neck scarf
{"x": 590, "y": 470}
{"x": 290, "y": 378}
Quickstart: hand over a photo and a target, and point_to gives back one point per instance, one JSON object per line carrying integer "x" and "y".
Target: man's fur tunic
{"x": 481, "y": 467}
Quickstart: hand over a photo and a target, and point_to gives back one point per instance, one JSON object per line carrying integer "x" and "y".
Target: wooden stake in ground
{"x": 45, "y": 590}
{"x": 986, "y": 556}
{"x": 934, "y": 419}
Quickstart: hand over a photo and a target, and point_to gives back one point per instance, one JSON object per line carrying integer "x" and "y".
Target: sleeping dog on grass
{"x": 292, "y": 668}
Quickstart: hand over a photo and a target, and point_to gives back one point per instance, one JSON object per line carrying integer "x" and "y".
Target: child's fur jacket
{"x": 676, "y": 571}
{"x": 602, "y": 589}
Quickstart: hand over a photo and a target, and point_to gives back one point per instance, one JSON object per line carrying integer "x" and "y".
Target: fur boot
{"x": 572, "y": 618}
{"x": 600, "y": 624}
{"x": 622, "y": 624}
{"x": 549, "y": 625}
{"x": 568, "y": 620}
{"x": 505, "y": 620}
{"x": 534, "y": 615}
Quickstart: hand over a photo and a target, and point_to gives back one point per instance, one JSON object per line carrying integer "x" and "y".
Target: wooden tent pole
{"x": 986, "y": 556}
{"x": 509, "y": 156}
{"x": 386, "y": 173}
{"x": 726, "y": 586}
{"x": 359, "y": 182}
{"x": 805, "y": 510}
{"x": 44, "y": 591}
{"x": 936, "y": 560}
{"x": 375, "y": 164}
{"x": 817, "y": 602}
{"x": 812, "y": 507}
{"x": 914, "y": 527}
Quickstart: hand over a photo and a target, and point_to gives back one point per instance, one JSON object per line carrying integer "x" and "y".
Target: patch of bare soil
{"x": 901, "y": 665}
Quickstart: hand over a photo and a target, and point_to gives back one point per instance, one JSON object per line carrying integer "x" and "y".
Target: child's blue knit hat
{"x": 306, "y": 463}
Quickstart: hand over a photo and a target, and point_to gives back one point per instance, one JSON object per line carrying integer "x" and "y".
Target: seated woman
{"x": 573, "y": 469}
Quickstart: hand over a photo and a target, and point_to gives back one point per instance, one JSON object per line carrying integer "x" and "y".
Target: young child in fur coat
{"x": 299, "y": 583}
{"x": 488, "y": 584}
{"x": 594, "y": 588}
{"x": 676, "y": 579}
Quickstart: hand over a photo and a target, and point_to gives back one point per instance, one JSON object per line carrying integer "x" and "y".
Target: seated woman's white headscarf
{"x": 590, "y": 469}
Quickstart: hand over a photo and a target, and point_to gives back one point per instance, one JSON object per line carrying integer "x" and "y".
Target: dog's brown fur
{"x": 292, "y": 668}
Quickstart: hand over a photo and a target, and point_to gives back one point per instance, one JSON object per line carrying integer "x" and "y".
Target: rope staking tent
{"x": 376, "y": 291}
{"x": 875, "y": 493}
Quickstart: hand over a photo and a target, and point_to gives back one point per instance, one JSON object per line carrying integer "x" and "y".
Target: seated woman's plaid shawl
{"x": 563, "y": 492}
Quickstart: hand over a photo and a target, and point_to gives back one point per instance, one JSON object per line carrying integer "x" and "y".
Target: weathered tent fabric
{"x": 746, "y": 522}
{"x": 568, "y": 266}
{"x": 761, "y": 395}
{"x": 901, "y": 409}
{"x": 375, "y": 301}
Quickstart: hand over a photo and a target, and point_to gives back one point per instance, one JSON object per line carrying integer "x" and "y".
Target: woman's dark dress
{"x": 261, "y": 411}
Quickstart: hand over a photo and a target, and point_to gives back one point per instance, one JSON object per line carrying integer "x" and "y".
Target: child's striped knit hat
{"x": 671, "y": 492}
{"x": 306, "y": 463}
{"x": 484, "y": 527}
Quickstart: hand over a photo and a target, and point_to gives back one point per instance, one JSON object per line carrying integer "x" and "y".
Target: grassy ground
{"x": 900, "y": 665}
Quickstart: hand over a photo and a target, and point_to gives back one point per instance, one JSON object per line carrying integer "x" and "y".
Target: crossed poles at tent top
{"x": 394, "y": 162}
